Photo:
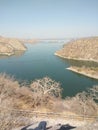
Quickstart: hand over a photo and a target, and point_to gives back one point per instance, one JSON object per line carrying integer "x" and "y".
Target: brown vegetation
{"x": 83, "y": 104}
{"x": 43, "y": 95}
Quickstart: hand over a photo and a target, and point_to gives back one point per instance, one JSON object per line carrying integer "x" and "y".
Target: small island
{"x": 84, "y": 49}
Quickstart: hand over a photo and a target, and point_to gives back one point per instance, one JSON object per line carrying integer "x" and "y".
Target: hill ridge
{"x": 80, "y": 49}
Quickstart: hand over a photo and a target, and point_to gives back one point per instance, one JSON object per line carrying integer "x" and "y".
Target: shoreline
{"x": 69, "y": 58}
{"x": 82, "y": 73}
{"x": 7, "y": 54}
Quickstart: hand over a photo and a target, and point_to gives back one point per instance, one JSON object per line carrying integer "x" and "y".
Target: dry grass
{"x": 17, "y": 101}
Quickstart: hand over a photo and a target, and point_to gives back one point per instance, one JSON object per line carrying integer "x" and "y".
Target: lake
{"x": 39, "y": 61}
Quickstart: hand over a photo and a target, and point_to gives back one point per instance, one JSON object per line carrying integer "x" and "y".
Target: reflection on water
{"x": 19, "y": 53}
{"x": 16, "y": 54}
{"x": 81, "y": 63}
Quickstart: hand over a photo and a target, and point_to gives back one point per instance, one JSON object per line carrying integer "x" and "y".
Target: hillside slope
{"x": 8, "y": 46}
{"x": 80, "y": 49}
{"x": 5, "y": 49}
{"x": 23, "y": 104}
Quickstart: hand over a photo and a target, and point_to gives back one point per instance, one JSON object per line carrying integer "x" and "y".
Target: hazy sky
{"x": 48, "y": 18}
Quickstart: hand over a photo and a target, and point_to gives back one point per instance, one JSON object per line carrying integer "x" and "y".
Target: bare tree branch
{"x": 46, "y": 86}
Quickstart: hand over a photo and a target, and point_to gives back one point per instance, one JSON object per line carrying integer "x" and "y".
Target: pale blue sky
{"x": 48, "y": 18}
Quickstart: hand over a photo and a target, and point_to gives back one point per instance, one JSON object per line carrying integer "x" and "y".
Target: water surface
{"x": 39, "y": 61}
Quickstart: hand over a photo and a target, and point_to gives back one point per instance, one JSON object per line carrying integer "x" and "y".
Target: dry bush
{"x": 44, "y": 93}
{"x": 45, "y": 90}
{"x": 46, "y": 86}
{"x": 83, "y": 104}
{"x": 8, "y": 87}
{"x": 14, "y": 96}
{"x": 94, "y": 93}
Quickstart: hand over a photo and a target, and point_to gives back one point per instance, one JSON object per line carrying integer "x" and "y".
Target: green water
{"x": 39, "y": 61}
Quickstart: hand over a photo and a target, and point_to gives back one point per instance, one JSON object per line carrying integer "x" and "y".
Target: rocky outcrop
{"x": 8, "y": 46}
{"x": 80, "y": 49}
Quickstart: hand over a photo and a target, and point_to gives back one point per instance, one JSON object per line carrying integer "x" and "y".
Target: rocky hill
{"x": 80, "y": 49}
{"x": 8, "y": 46}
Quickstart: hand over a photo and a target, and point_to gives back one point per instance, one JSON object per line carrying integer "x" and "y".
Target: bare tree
{"x": 46, "y": 86}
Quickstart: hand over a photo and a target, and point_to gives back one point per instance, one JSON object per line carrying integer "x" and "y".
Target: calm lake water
{"x": 39, "y": 61}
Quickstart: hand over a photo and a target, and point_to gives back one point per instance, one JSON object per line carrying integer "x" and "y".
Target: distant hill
{"x": 8, "y": 46}
{"x": 80, "y": 49}
{"x": 32, "y": 41}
